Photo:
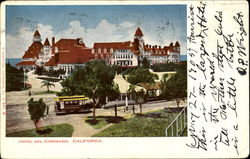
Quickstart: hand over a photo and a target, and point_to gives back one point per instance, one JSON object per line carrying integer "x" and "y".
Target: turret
{"x": 138, "y": 33}
{"x": 138, "y": 40}
{"x": 46, "y": 43}
{"x": 177, "y": 46}
{"x": 37, "y": 37}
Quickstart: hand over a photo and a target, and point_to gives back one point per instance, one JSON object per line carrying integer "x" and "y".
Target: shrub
{"x": 14, "y": 78}
{"x": 36, "y": 110}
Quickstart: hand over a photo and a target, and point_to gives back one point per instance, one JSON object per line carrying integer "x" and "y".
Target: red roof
{"x": 53, "y": 61}
{"x": 74, "y": 55}
{"x": 157, "y": 50}
{"x": 34, "y": 50}
{"x": 114, "y": 45}
{"x": 24, "y": 63}
{"x": 172, "y": 50}
{"x": 46, "y": 43}
{"x": 36, "y": 33}
{"x": 138, "y": 32}
{"x": 66, "y": 44}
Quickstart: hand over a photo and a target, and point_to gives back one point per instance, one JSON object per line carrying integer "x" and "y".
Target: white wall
{"x": 124, "y": 58}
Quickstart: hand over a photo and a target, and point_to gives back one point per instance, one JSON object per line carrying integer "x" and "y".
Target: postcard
{"x": 124, "y": 79}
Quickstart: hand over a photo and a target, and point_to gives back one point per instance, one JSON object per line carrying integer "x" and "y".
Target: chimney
{"x": 78, "y": 41}
{"x": 53, "y": 41}
{"x": 53, "y": 45}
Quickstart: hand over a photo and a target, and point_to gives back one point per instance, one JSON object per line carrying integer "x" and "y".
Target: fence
{"x": 178, "y": 125}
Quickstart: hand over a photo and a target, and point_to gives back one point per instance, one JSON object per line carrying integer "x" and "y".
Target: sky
{"x": 160, "y": 24}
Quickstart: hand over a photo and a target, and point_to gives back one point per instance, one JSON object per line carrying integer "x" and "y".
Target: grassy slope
{"x": 140, "y": 126}
{"x": 60, "y": 130}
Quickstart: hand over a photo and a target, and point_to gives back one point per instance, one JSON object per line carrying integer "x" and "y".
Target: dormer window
{"x": 105, "y": 50}
{"x": 99, "y": 50}
{"x": 92, "y": 51}
{"x": 56, "y": 49}
{"x": 80, "y": 41}
{"x": 111, "y": 50}
{"x": 130, "y": 44}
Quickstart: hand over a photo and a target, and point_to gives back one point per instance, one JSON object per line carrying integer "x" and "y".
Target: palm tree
{"x": 47, "y": 84}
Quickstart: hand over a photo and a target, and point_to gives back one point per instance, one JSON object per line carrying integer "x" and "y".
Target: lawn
{"x": 146, "y": 125}
{"x": 99, "y": 123}
{"x": 60, "y": 130}
{"x": 49, "y": 79}
{"x": 46, "y": 92}
{"x": 102, "y": 121}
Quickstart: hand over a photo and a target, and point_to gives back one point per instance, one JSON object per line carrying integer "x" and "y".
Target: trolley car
{"x": 71, "y": 104}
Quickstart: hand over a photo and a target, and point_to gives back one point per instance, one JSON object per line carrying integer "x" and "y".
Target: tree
{"x": 95, "y": 81}
{"x": 40, "y": 71}
{"x": 143, "y": 76}
{"x": 36, "y": 110}
{"x": 47, "y": 84}
{"x": 145, "y": 63}
{"x": 61, "y": 72}
{"x": 14, "y": 78}
{"x": 175, "y": 87}
{"x": 113, "y": 94}
{"x": 138, "y": 96}
{"x": 169, "y": 67}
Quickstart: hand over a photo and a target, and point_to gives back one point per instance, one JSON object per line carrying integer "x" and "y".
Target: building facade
{"x": 131, "y": 53}
{"x": 67, "y": 54}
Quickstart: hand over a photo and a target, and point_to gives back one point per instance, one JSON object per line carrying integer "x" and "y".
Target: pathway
{"x": 17, "y": 118}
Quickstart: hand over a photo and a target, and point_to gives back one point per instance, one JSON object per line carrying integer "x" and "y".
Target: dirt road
{"x": 17, "y": 117}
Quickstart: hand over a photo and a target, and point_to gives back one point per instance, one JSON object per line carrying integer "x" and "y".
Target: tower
{"x": 46, "y": 50}
{"x": 138, "y": 41}
{"x": 177, "y": 46}
{"x": 45, "y": 53}
{"x": 46, "y": 45}
{"x": 37, "y": 37}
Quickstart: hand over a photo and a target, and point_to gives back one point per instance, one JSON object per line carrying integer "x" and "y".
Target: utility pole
{"x": 126, "y": 92}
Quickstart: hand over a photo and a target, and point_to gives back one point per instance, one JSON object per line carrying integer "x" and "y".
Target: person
{"x": 29, "y": 93}
{"x": 58, "y": 106}
{"x": 47, "y": 110}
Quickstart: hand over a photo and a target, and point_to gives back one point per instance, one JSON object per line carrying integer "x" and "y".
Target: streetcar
{"x": 71, "y": 104}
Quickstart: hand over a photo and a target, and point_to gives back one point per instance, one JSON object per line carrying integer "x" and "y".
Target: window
{"x": 99, "y": 50}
